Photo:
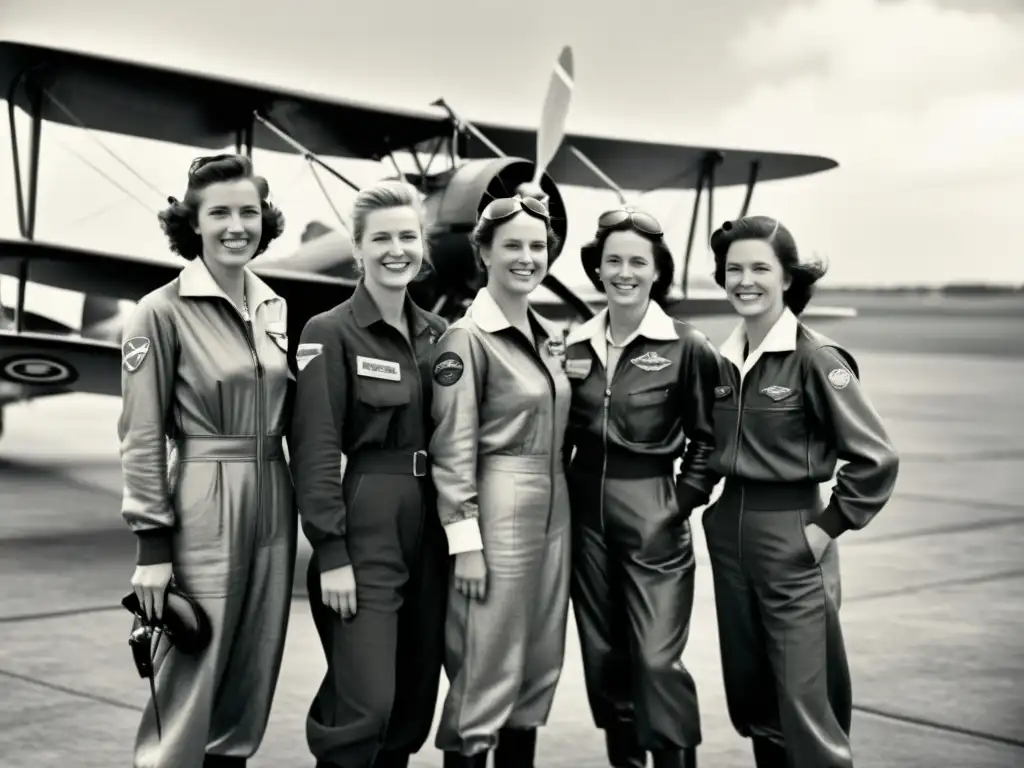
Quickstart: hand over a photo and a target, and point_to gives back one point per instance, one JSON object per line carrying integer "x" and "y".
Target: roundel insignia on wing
{"x": 36, "y": 369}
{"x": 839, "y": 378}
{"x": 448, "y": 369}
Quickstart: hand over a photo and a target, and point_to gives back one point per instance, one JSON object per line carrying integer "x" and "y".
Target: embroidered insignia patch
{"x": 721, "y": 392}
{"x": 372, "y": 368}
{"x": 578, "y": 368}
{"x": 651, "y": 361}
{"x": 839, "y": 378}
{"x": 307, "y": 353}
{"x": 133, "y": 352}
{"x": 448, "y": 369}
{"x": 777, "y": 393}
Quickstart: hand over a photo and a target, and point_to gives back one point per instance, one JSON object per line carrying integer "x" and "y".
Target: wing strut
{"x": 306, "y": 153}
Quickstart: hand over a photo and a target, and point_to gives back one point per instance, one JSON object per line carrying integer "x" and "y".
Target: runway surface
{"x": 932, "y": 590}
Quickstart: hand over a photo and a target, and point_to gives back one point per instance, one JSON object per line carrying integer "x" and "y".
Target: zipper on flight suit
{"x": 735, "y": 462}
{"x": 553, "y": 468}
{"x": 250, "y": 338}
{"x": 604, "y": 428}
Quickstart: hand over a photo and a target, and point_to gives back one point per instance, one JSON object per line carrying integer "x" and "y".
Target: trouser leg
{"x": 213, "y": 547}
{"x": 749, "y": 684}
{"x": 350, "y": 714}
{"x": 487, "y": 641}
{"x": 420, "y": 649}
{"x": 246, "y": 694}
{"x": 804, "y": 640}
{"x": 655, "y": 549}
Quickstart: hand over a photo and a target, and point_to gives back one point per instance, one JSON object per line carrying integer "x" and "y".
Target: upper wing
{"x": 199, "y": 110}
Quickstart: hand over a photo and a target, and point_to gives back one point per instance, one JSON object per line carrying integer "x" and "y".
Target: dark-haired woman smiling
{"x": 204, "y": 364}
{"x": 788, "y": 406}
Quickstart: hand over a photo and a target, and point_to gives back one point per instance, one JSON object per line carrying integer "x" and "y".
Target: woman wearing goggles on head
{"x": 788, "y": 406}
{"x": 501, "y": 400}
{"x": 643, "y": 385}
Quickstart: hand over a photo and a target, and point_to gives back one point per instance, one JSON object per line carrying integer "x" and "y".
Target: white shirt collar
{"x": 781, "y": 338}
{"x": 656, "y": 325}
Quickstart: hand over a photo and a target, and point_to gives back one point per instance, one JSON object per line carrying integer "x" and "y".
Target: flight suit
{"x": 364, "y": 391}
{"x": 783, "y": 417}
{"x": 633, "y": 563}
{"x": 217, "y": 389}
{"x": 500, "y": 411}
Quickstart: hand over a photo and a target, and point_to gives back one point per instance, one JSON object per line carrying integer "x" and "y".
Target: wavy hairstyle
{"x": 802, "y": 274}
{"x": 178, "y": 219}
{"x": 591, "y": 253}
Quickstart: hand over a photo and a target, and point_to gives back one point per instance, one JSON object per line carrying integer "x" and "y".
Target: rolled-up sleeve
{"x": 148, "y": 370}
{"x": 459, "y": 372}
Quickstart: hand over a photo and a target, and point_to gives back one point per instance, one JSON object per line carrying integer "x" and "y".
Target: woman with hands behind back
{"x": 501, "y": 403}
{"x": 204, "y": 363}
{"x": 377, "y": 578}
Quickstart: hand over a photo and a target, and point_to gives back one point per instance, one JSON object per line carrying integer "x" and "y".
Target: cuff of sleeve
{"x": 153, "y": 546}
{"x": 688, "y": 498}
{"x": 332, "y": 554}
{"x": 832, "y": 521}
{"x": 464, "y": 536}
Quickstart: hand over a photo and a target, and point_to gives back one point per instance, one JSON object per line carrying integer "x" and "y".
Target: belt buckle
{"x": 419, "y": 464}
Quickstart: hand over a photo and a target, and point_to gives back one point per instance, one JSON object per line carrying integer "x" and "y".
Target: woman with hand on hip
{"x": 789, "y": 405}
{"x": 501, "y": 401}
{"x": 643, "y": 385}
{"x": 205, "y": 366}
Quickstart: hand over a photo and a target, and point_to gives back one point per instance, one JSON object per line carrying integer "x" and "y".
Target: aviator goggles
{"x": 639, "y": 220}
{"x": 504, "y": 207}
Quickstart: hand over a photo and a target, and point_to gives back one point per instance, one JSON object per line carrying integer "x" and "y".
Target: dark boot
{"x": 685, "y": 757}
{"x": 624, "y": 751}
{"x": 223, "y": 761}
{"x": 768, "y": 754}
{"x": 455, "y": 760}
{"x": 516, "y": 748}
{"x": 391, "y": 760}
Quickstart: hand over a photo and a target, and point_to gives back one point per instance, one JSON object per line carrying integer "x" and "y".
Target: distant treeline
{"x": 955, "y": 289}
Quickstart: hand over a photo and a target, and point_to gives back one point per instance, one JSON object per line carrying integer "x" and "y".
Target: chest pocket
{"x": 778, "y": 419}
{"x": 381, "y": 407}
{"x": 280, "y": 340}
{"x": 645, "y": 414}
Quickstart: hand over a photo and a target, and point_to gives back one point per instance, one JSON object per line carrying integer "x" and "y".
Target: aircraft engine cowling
{"x": 453, "y": 205}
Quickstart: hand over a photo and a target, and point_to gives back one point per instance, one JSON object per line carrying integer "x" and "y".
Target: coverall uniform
{"x": 500, "y": 409}
{"x": 195, "y": 372}
{"x": 364, "y": 391}
{"x": 634, "y": 410}
{"x": 783, "y": 415}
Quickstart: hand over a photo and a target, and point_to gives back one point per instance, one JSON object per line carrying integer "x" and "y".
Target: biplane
{"x": 39, "y": 356}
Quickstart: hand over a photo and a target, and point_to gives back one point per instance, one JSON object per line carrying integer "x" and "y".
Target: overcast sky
{"x": 922, "y": 103}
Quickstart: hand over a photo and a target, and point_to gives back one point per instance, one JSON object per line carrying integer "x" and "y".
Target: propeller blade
{"x": 599, "y": 173}
{"x": 555, "y": 113}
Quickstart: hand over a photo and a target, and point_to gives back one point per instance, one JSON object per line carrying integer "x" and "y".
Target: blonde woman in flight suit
{"x": 376, "y": 581}
{"x": 205, "y": 364}
{"x": 501, "y": 401}
{"x": 789, "y": 406}
{"x": 643, "y": 387}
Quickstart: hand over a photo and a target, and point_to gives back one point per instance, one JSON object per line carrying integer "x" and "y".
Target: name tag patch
{"x": 723, "y": 391}
{"x": 448, "y": 369}
{"x": 777, "y": 393}
{"x": 578, "y": 368}
{"x": 374, "y": 368}
{"x": 307, "y": 353}
{"x": 651, "y": 361}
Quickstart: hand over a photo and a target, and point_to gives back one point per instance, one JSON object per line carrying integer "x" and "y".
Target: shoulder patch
{"x": 307, "y": 353}
{"x": 839, "y": 378}
{"x": 448, "y": 369}
{"x": 133, "y": 352}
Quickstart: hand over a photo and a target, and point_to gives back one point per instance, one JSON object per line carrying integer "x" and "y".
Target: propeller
{"x": 552, "y": 124}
